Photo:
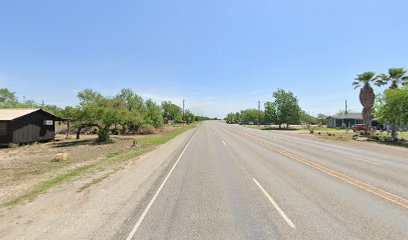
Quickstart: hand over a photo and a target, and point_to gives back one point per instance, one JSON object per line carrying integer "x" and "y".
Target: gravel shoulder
{"x": 97, "y": 212}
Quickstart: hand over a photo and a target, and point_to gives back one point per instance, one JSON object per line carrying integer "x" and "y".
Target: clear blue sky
{"x": 219, "y": 55}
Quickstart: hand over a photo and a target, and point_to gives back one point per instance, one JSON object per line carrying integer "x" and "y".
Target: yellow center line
{"x": 357, "y": 183}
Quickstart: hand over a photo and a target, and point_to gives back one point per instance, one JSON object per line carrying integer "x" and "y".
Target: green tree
{"x": 251, "y": 115}
{"x": 8, "y": 99}
{"x": 53, "y": 109}
{"x": 232, "y": 118}
{"x": 394, "y": 78}
{"x": 133, "y": 101}
{"x": 307, "y": 118}
{"x": 321, "y": 119}
{"x": 154, "y": 114}
{"x": 271, "y": 115}
{"x": 392, "y": 107}
{"x": 137, "y": 115}
{"x": 171, "y": 111}
{"x": 28, "y": 104}
{"x": 102, "y": 112}
{"x": 284, "y": 109}
{"x": 188, "y": 117}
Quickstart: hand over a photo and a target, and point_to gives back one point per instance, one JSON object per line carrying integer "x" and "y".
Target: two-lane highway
{"x": 235, "y": 183}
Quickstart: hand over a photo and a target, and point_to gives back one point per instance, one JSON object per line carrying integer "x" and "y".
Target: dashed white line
{"x": 360, "y": 159}
{"x": 290, "y": 223}
{"x": 134, "y": 230}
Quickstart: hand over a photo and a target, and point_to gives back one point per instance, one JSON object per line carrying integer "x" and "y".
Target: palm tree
{"x": 367, "y": 95}
{"x": 364, "y": 78}
{"x": 395, "y": 76}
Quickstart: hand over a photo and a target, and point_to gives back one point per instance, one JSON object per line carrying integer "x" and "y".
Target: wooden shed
{"x": 26, "y": 126}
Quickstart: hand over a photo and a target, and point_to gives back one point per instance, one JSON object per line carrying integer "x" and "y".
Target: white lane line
{"x": 224, "y": 143}
{"x": 360, "y": 159}
{"x": 132, "y": 233}
{"x": 291, "y": 224}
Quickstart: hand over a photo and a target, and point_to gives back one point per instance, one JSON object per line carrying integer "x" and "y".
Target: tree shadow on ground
{"x": 79, "y": 143}
{"x": 279, "y": 129}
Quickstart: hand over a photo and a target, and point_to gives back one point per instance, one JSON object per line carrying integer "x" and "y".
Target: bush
{"x": 147, "y": 129}
{"x": 134, "y": 142}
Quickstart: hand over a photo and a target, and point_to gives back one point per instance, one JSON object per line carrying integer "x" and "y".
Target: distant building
{"x": 344, "y": 120}
{"x": 26, "y": 126}
{"x": 348, "y": 120}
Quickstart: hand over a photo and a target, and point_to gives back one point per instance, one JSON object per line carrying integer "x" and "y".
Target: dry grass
{"x": 31, "y": 170}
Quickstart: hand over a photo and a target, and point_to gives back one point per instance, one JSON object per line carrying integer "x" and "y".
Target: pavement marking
{"x": 360, "y": 159}
{"x": 290, "y": 223}
{"x": 134, "y": 230}
{"x": 224, "y": 143}
{"x": 357, "y": 183}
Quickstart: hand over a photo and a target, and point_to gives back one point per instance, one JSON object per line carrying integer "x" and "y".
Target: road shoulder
{"x": 97, "y": 212}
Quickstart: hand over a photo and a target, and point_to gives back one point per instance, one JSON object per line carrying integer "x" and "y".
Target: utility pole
{"x": 183, "y": 110}
{"x": 42, "y": 104}
{"x": 345, "y": 104}
{"x": 259, "y": 113}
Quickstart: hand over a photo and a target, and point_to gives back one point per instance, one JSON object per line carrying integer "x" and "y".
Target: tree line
{"x": 284, "y": 109}
{"x": 127, "y": 112}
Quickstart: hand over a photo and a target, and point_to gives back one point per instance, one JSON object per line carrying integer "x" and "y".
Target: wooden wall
{"x": 31, "y": 128}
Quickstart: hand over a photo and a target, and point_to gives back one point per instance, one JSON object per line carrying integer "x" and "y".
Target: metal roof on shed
{"x": 358, "y": 116}
{"x": 7, "y": 114}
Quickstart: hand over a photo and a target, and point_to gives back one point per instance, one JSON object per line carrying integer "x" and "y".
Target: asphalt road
{"x": 231, "y": 182}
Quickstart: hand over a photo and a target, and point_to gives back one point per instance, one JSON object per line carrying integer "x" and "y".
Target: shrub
{"x": 147, "y": 129}
{"x": 134, "y": 142}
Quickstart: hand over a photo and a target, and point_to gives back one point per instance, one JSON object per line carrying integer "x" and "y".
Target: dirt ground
{"x": 97, "y": 212}
{"x": 24, "y": 167}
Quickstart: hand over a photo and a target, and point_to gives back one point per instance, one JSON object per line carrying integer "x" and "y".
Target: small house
{"x": 26, "y": 126}
{"x": 345, "y": 120}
